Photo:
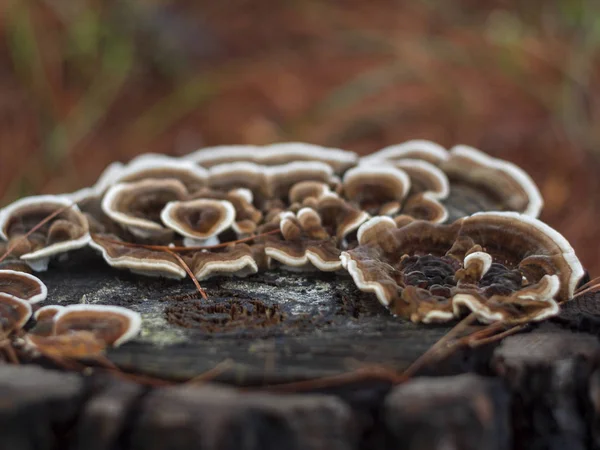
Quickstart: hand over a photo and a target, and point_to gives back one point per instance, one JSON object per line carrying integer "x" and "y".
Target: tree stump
{"x": 537, "y": 389}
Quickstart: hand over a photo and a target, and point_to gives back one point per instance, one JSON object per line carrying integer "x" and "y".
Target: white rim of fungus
{"x": 38, "y": 260}
{"x": 366, "y": 286}
{"x": 227, "y": 219}
{"x": 372, "y": 222}
{"x": 336, "y": 158}
{"x": 324, "y": 190}
{"x": 274, "y": 172}
{"x": 135, "y": 319}
{"x": 535, "y": 200}
{"x": 307, "y": 258}
{"x": 208, "y": 155}
{"x": 399, "y": 151}
{"x": 565, "y": 247}
{"x": 474, "y": 305}
{"x": 433, "y": 171}
{"x": 437, "y": 316}
{"x": 20, "y": 301}
{"x": 36, "y": 298}
{"x": 371, "y": 170}
{"x": 149, "y": 267}
{"x": 151, "y": 161}
{"x": 43, "y": 309}
{"x": 485, "y": 258}
{"x": 551, "y": 285}
{"x": 138, "y": 226}
{"x": 240, "y": 267}
{"x": 243, "y": 194}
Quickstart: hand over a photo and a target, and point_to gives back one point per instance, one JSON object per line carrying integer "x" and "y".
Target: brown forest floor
{"x": 84, "y": 85}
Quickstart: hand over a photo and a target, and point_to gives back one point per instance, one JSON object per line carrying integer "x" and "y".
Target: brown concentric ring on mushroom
{"x": 425, "y": 178}
{"x": 200, "y": 221}
{"x": 281, "y": 178}
{"x": 156, "y": 166}
{"x": 143, "y": 261}
{"x": 14, "y": 313}
{"x": 137, "y": 206}
{"x": 502, "y": 266}
{"x": 234, "y": 260}
{"x": 482, "y": 183}
{"x": 306, "y": 243}
{"x": 22, "y": 285}
{"x": 377, "y": 190}
{"x": 307, "y": 189}
{"x": 338, "y": 217}
{"x": 247, "y": 217}
{"x": 113, "y": 325}
{"x": 44, "y": 320}
{"x": 274, "y": 154}
{"x": 415, "y": 149}
{"x": 67, "y": 231}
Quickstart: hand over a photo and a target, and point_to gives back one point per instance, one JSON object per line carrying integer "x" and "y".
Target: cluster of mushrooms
{"x": 435, "y": 234}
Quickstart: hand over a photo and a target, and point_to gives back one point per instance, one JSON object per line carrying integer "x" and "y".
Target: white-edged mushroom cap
{"x": 379, "y": 187}
{"x": 37, "y": 208}
{"x": 14, "y": 313}
{"x": 472, "y": 164}
{"x": 22, "y": 285}
{"x": 129, "y": 204}
{"x": 47, "y": 312}
{"x": 414, "y": 149}
{"x": 163, "y": 167}
{"x": 112, "y": 324}
{"x": 140, "y": 260}
{"x": 274, "y": 154}
{"x": 534, "y": 232}
{"x": 199, "y": 219}
{"x": 428, "y": 178}
{"x": 222, "y": 154}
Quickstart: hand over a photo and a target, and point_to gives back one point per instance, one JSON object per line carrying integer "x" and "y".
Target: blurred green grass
{"x": 85, "y": 83}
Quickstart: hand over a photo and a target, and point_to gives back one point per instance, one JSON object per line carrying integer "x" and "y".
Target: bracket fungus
{"x": 502, "y": 266}
{"x": 113, "y": 325}
{"x": 22, "y": 285}
{"x": 149, "y": 165}
{"x": 67, "y": 231}
{"x": 408, "y": 222}
{"x": 480, "y": 182}
{"x": 14, "y": 313}
{"x": 305, "y": 243}
{"x": 275, "y": 154}
{"x": 138, "y": 260}
{"x": 200, "y": 221}
{"x": 137, "y": 206}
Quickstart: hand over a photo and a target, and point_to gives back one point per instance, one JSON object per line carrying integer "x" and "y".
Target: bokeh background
{"x": 86, "y": 82}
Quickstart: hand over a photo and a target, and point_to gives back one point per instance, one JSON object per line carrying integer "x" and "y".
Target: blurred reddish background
{"x": 88, "y": 82}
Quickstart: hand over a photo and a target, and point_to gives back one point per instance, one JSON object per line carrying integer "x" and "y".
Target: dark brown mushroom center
{"x": 201, "y": 220}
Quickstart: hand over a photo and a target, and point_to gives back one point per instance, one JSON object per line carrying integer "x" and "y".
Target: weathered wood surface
{"x": 535, "y": 390}
{"x": 320, "y": 323}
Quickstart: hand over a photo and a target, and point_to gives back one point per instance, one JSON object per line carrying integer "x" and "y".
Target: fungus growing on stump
{"x": 154, "y": 263}
{"x": 14, "y": 313}
{"x": 113, "y": 325}
{"x": 482, "y": 183}
{"x": 200, "y": 221}
{"x": 137, "y": 206}
{"x": 147, "y": 166}
{"x": 22, "y": 285}
{"x": 67, "y": 231}
{"x": 274, "y": 154}
{"x": 501, "y": 266}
